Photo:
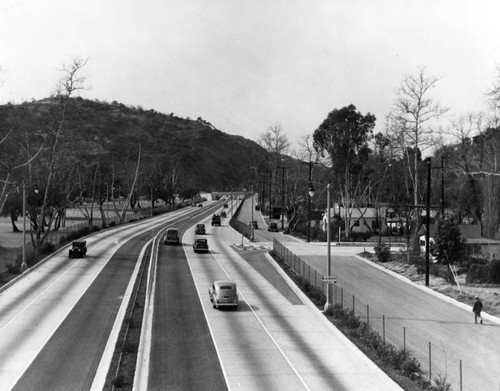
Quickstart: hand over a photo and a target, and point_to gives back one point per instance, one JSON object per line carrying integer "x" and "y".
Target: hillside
{"x": 191, "y": 153}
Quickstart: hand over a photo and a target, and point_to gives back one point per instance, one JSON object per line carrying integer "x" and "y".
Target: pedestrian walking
{"x": 477, "y": 308}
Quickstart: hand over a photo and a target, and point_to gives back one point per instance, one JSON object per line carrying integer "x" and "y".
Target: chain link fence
{"x": 434, "y": 357}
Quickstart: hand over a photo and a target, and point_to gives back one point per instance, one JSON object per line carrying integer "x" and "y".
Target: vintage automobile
{"x": 200, "y": 229}
{"x": 273, "y": 227}
{"x": 253, "y": 224}
{"x": 171, "y": 236}
{"x": 226, "y": 206}
{"x": 216, "y": 220}
{"x": 223, "y": 294}
{"x": 78, "y": 249}
{"x": 200, "y": 245}
{"x": 223, "y": 214}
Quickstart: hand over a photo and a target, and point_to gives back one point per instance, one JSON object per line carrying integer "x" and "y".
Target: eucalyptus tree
{"x": 344, "y": 135}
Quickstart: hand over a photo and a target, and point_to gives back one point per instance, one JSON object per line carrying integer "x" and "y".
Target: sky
{"x": 246, "y": 65}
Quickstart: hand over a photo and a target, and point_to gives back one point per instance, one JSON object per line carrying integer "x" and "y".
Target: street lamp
{"x": 328, "y": 304}
{"x": 24, "y": 264}
{"x": 311, "y": 195}
{"x": 251, "y": 223}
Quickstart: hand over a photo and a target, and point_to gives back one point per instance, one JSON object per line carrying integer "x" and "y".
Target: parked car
{"x": 78, "y": 249}
{"x": 273, "y": 227}
{"x": 200, "y": 246}
{"x": 200, "y": 229}
{"x": 200, "y": 205}
{"x": 223, "y": 214}
{"x": 226, "y": 206}
{"x": 171, "y": 236}
{"x": 253, "y": 224}
{"x": 223, "y": 294}
{"x": 216, "y": 220}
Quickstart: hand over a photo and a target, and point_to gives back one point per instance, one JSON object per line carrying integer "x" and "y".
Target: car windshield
{"x": 226, "y": 287}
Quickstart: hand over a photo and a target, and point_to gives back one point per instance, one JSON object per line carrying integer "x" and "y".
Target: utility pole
{"x": 427, "y": 222}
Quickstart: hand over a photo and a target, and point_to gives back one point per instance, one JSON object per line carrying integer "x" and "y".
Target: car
{"x": 223, "y": 214}
{"x": 171, "y": 236}
{"x": 223, "y": 293}
{"x": 216, "y": 220}
{"x": 226, "y": 206}
{"x": 200, "y": 205}
{"x": 78, "y": 249}
{"x": 253, "y": 224}
{"x": 200, "y": 245}
{"x": 273, "y": 227}
{"x": 200, "y": 229}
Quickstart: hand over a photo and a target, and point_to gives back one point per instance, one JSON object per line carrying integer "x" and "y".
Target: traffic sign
{"x": 328, "y": 280}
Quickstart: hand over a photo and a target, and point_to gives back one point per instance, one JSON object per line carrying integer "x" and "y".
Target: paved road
{"x": 276, "y": 340}
{"x": 409, "y": 310}
{"x": 57, "y": 319}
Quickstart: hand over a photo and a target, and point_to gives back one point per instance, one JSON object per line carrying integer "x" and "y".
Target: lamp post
{"x": 24, "y": 264}
{"x": 251, "y": 224}
{"x": 328, "y": 304}
{"x": 311, "y": 195}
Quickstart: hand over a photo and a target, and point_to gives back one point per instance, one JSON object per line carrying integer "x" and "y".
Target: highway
{"x": 58, "y": 321}
{"x": 276, "y": 340}
{"x": 55, "y": 320}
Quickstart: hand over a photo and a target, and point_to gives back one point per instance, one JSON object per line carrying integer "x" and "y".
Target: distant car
{"x": 225, "y": 206}
{"x": 171, "y": 236}
{"x": 78, "y": 249}
{"x": 223, "y": 294}
{"x": 223, "y": 214}
{"x": 200, "y": 229}
{"x": 200, "y": 246}
{"x": 273, "y": 227}
{"x": 253, "y": 224}
{"x": 200, "y": 205}
{"x": 216, "y": 220}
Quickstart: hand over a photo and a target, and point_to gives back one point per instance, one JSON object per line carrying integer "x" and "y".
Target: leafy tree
{"x": 448, "y": 245}
{"x": 344, "y": 135}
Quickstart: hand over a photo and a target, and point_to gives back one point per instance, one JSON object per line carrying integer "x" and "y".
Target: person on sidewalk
{"x": 477, "y": 308}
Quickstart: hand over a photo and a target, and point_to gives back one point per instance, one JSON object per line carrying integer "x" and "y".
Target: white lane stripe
{"x": 224, "y": 373}
{"x": 105, "y": 363}
{"x": 254, "y": 313}
{"x": 141, "y": 377}
{"x": 265, "y": 329}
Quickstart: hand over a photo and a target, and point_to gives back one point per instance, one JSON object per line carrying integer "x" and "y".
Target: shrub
{"x": 47, "y": 248}
{"x": 360, "y": 236}
{"x": 13, "y": 269}
{"x": 411, "y": 367}
{"x": 494, "y": 271}
{"x": 442, "y": 384}
{"x": 382, "y": 252}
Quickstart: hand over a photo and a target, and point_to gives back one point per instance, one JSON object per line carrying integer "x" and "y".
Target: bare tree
{"x": 70, "y": 82}
{"x": 274, "y": 140}
{"x": 414, "y": 121}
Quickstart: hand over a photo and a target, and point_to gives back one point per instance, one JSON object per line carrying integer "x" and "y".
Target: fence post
{"x": 430, "y": 360}
{"x": 461, "y": 376}
{"x": 383, "y": 327}
{"x": 404, "y": 341}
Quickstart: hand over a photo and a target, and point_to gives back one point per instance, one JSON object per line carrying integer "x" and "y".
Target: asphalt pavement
{"x": 438, "y": 330}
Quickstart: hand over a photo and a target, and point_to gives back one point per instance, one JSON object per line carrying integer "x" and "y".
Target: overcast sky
{"x": 244, "y": 65}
